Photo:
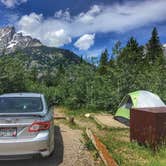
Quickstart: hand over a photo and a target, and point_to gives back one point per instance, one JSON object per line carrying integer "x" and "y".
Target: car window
{"x": 20, "y": 104}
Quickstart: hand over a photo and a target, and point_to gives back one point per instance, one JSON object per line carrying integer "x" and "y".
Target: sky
{"x": 86, "y": 27}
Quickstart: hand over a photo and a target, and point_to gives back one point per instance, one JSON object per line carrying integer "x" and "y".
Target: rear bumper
{"x": 37, "y": 145}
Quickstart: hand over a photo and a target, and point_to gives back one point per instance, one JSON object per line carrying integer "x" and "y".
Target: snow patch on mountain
{"x": 10, "y": 41}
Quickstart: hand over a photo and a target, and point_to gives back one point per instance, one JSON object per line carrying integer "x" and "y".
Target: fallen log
{"x": 59, "y": 117}
{"x": 101, "y": 148}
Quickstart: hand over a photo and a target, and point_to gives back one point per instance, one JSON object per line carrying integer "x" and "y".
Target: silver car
{"x": 26, "y": 125}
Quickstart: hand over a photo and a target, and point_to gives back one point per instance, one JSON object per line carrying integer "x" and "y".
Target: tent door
{"x": 126, "y": 103}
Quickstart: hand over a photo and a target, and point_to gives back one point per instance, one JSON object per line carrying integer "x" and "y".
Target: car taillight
{"x": 38, "y": 126}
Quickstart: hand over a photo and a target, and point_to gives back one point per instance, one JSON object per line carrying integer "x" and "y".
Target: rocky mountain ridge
{"x": 10, "y": 41}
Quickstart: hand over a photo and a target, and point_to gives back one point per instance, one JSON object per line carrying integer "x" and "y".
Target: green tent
{"x": 138, "y": 99}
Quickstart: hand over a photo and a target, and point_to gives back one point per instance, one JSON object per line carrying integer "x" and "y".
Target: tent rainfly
{"x": 138, "y": 99}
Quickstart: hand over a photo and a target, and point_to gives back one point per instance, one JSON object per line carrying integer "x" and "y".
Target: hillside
{"x": 47, "y": 58}
{"x": 33, "y": 51}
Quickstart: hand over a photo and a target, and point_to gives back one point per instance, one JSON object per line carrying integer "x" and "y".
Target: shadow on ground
{"x": 54, "y": 160}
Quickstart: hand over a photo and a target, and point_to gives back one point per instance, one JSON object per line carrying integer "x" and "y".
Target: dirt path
{"x": 75, "y": 153}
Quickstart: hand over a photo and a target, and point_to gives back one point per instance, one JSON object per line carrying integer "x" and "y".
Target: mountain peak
{"x": 10, "y": 41}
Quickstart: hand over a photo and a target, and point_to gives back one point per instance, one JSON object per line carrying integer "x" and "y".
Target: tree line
{"x": 133, "y": 67}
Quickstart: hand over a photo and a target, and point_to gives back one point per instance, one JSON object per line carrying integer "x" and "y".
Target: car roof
{"x": 21, "y": 95}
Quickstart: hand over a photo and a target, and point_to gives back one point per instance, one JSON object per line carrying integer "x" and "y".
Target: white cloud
{"x": 119, "y": 17}
{"x": 89, "y": 16}
{"x": 85, "y": 41}
{"x": 57, "y": 38}
{"x": 12, "y": 3}
{"x": 49, "y": 31}
{"x": 63, "y": 15}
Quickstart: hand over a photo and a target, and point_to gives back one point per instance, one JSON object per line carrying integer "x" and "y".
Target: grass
{"x": 130, "y": 154}
{"x": 89, "y": 145}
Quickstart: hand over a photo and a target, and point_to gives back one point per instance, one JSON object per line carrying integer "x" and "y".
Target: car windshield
{"x": 20, "y": 104}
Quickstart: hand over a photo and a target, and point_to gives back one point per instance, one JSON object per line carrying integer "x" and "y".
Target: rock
{"x": 88, "y": 115}
{"x": 6, "y": 35}
{"x": 11, "y": 41}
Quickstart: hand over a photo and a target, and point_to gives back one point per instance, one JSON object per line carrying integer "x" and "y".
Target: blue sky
{"x": 86, "y": 27}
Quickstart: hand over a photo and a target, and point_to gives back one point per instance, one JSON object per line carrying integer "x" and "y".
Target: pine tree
{"x": 131, "y": 54}
{"x": 103, "y": 62}
{"x": 154, "y": 48}
{"x": 112, "y": 62}
{"x": 81, "y": 59}
{"x": 61, "y": 69}
{"x": 133, "y": 45}
{"x": 34, "y": 74}
{"x": 116, "y": 50}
